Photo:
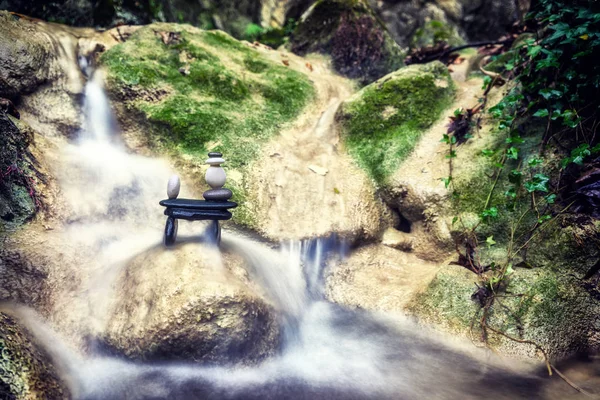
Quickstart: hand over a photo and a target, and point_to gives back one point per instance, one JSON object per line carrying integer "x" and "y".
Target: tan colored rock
{"x": 184, "y": 304}
{"x": 397, "y": 240}
{"x": 379, "y": 278}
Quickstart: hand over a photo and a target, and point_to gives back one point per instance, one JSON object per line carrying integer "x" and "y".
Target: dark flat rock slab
{"x": 197, "y": 215}
{"x": 198, "y": 204}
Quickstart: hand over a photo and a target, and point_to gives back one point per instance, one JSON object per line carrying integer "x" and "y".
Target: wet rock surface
{"x": 183, "y": 305}
{"x": 26, "y": 372}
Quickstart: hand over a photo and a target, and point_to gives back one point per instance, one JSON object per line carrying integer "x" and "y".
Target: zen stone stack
{"x": 215, "y": 208}
{"x": 215, "y": 177}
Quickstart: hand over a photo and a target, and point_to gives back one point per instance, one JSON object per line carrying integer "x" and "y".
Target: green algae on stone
{"x": 219, "y": 94}
{"x": 541, "y": 305}
{"x": 25, "y": 371}
{"x": 16, "y": 203}
{"x": 383, "y": 122}
{"x": 205, "y": 91}
{"x": 358, "y": 42}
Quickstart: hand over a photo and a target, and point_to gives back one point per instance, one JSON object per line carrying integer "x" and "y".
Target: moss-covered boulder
{"x": 186, "y": 305}
{"x": 348, "y": 30}
{"x": 383, "y": 122}
{"x": 26, "y": 372}
{"x": 548, "y": 307}
{"x": 185, "y": 91}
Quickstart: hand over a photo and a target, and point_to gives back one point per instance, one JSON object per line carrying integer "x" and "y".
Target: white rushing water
{"x": 329, "y": 352}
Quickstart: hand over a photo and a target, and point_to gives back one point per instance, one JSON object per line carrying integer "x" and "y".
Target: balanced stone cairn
{"x": 214, "y": 208}
{"x": 215, "y": 177}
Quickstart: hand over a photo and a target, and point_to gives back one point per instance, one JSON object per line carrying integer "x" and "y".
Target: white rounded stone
{"x": 173, "y": 187}
{"x": 215, "y": 177}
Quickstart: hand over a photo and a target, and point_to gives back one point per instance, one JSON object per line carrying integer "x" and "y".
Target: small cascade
{"x": 99, "y": 123}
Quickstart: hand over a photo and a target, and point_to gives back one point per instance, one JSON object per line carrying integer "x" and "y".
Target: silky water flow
{"x": 327, "y": 351}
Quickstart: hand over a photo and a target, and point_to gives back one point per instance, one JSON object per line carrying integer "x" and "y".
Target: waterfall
{"x": 329, "y": 352}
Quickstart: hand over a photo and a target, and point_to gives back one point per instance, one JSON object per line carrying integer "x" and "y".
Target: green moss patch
{"x": 384, "y": 121}
{"x": 221, "y": 95}
{"x": 25, "y": 372}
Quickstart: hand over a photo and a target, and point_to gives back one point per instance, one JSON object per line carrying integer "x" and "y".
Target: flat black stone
{"x": 217, "y": 195}
{"x": 214, "y": 154}
{"x": 198, "y": 204}
{"x": 198, "y": 215}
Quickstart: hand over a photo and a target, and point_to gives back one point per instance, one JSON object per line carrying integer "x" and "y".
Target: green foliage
{"x": 557, "y": 81}
{"x": 253, "y": 32}
{"x": 386, "y": 119}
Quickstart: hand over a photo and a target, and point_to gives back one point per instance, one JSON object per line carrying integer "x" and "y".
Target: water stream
{"x": 328, "y": 352}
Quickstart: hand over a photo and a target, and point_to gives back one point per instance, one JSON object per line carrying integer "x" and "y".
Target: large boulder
{"x": 39, "y": 72}
{"x": 187, "y": 304}
{"x": 544, "y": 306}
{"x": 26, "y": 371}
{"x": 359, "y": 44}
{"x": 382, "y": 123}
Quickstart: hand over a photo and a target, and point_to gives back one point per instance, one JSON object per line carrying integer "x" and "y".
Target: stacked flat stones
{"x": 215, "y": 177}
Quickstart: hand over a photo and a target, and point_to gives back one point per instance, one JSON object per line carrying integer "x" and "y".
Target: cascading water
{"x": 328, "y": 352}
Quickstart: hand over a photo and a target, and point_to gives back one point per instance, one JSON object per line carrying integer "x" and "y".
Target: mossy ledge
{"x": 203, "y": 91}
{"x": 382, "y": 123}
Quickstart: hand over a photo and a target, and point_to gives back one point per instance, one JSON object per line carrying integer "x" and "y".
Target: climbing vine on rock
{"x": 548, "y": 162}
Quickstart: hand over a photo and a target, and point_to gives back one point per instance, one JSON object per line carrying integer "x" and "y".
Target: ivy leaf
{"x": 541, "y": 113}
{"x": 446, "y": 181}
{"x": 544, "y": 218}
{"x": 491, "y": 212}
{"x": 511, "y": 193}
{"x": 551, "y": 198}
{"x": 515, "y": 139}
{"x": 488, "y": 152}
{"x": 509, "y": 270}
{"x": 535, "y": 162}
{"x": 513, "y": 153}
{"x": 539, "y": 183}
{"x": 487, "y": 80}
{"x": 534, "y": 51}
{"x": 490, "y": 241}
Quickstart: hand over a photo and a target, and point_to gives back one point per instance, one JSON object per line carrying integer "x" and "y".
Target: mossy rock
{"x": 26, "y": 372}
{"x": 203, "y": 91}
{"x": 434, "y": 32}
{"x": 348, "y": 30}
{"x": 544, "y": 306}
{"x": 383, "y": 122}
{"x": 16, "y": 168}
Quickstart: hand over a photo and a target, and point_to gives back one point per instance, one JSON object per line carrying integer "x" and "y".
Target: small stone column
{"x": 215, "y": 177}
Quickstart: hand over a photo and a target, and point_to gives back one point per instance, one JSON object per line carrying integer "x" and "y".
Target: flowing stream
{"x": 328, "y": 352}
